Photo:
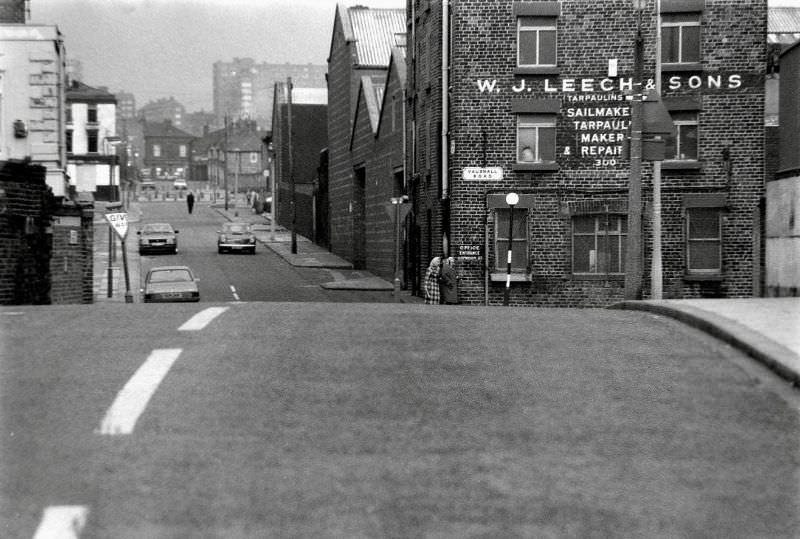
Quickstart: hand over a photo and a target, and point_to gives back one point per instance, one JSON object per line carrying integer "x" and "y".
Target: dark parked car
{"x": 158, "y": 238}
{"x": 170, "y": 283}
{"x": 236, "y": 237}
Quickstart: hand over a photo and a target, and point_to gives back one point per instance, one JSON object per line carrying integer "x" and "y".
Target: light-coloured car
{"x": 170, "y": 283}
{"x": 179, "y": 183}
{"x": 158, "y": 238}
{"x": 236, "y": 237}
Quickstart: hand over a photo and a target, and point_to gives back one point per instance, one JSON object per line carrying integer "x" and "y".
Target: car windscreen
{"x": 169, "y": 276}
{"x": 236, "y": 229}
{"x": 157, "y": 229}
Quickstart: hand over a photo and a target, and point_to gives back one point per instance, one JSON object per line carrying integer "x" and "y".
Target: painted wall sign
{"x": 600, "y": 127}
{"x": 469, "y": 252}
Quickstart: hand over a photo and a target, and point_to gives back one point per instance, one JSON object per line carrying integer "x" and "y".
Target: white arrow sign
{"x": 120, "y": 223}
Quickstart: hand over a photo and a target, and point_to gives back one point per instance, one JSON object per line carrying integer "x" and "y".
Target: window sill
{"x": 533, "y": 167}
{"x": 688, "y": 66}
{"x": 516, "y": 277}
{"x": 598, "y": 277}
{"x": 705, "y": 277}
{"x": 543, "y": 70}
{"x": 675, "y": 164}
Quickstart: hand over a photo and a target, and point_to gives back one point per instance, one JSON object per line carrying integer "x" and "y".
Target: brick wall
{"x": 71, "y": 267}
{"x": 25, "y": 246}
{"x": 590, "y": 33}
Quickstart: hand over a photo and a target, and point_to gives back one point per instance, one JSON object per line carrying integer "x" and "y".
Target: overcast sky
{"x": 163, "y": 48}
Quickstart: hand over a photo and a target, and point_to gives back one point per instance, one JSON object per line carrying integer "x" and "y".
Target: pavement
{"x": 767, "y": 329}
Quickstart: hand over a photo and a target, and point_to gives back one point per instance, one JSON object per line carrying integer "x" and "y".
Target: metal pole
{"x": 293, "y": 201}
{"x": 225, "y": 163}
{"x": 110, "y": 273}
{"x": 397, "y": 249}
{"x": 508, "y": 259}
{"x": 656, "y": 270}
{"x": 236, "y": 182}
{"x": 128, "y": 295}
{"x": 633, "y": 260}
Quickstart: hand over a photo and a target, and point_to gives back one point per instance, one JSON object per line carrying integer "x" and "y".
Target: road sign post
{"x": 118, "y": 222}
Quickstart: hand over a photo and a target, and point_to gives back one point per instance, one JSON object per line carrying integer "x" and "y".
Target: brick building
{"x": 297, "y": 143}
{"x": 361, "y": 45}
{"x": 376, "y": 152}
{"x": 167, "y": 152}
{"x": 539, "y": 100}
{"x": 783, "y": 188}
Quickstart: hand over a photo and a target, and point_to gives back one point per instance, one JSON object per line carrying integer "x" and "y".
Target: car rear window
{"x": 169, "y": 276}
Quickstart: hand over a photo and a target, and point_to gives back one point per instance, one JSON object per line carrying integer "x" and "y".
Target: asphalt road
{"x": 302, "y": 419}
{"x": 237, "y": 276}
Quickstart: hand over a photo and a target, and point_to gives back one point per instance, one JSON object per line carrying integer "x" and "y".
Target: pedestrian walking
{"x": 449, "y": 282}
{"x": 431, "y": 284}
{"x": 190, "y": 201}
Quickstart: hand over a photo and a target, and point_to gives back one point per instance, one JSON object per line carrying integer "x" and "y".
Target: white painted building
{"x": 91, "y": 140}
{"x": 32, "y": 99}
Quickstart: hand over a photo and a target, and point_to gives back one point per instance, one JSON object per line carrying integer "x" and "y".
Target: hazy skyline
{"x": 166, "y": 48}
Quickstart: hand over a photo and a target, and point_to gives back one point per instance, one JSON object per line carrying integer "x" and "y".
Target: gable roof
{"x": 374, "y": 32}
{"x": 164, "y": 129}
{"x": 78, "y": 91}
{"x": 397, "y": 66}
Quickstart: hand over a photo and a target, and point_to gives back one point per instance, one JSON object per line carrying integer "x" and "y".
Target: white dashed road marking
{"x": 202, "y": 319}
{"x": 62, "y": 522}
{"x": 133, "y": 398}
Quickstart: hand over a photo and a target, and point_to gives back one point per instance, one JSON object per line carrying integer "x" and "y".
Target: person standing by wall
{"x": 190, "y": 202}
{"x": 449, "y": 282}
{"x": 430, "y": 286}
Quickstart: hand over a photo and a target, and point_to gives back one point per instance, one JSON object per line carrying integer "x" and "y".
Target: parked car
{"x": 179, "y": 183}
{"x": 158, "y": 237}
{"x": 170, "y": 283}
{"x": 236, "y": 237}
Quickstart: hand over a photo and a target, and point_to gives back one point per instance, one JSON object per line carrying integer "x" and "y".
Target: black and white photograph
{"x": 402, "y": 269}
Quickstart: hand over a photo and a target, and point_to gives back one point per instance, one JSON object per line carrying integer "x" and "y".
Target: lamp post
{"x": 511, "y": 199}
{"x": 633, "y": 260}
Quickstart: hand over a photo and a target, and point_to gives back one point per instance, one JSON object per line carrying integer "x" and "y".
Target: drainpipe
{"x": 656, "y": 271}
{"x": 445, "y": 97}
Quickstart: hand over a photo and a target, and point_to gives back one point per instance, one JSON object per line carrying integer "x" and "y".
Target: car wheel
{"x": 253, "y": 251}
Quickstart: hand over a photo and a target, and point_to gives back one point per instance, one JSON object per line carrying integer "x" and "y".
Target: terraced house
{"x": 542, "y": 99}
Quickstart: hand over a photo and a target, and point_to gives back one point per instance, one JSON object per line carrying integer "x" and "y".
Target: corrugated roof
{"x": 375, "y": 32}
{"x": 783, "y": 25}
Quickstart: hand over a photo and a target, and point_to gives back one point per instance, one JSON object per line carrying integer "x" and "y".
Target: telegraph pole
{"x": 225, "y": 163}
{"x": 633, "y": 259}
{"x": 293, "y": 201}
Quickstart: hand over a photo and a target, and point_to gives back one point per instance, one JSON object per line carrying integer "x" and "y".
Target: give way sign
{"x": 119, "y": 221}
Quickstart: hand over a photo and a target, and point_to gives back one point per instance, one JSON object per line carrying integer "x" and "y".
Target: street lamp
{"x": 511, "y": 199}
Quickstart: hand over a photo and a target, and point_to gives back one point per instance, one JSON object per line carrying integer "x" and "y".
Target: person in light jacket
{"x": 430, "y": 285}
{"x": 449, "y": 282}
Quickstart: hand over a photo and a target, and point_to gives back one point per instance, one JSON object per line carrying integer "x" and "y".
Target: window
{"x": 69, "y": 140}
{"x": 92, "y": 114}
{"x": 598, "y": 244}
{"x": 519, "y": 240}
{"x": 536, "y": 41}
{"x": 68, "y": 114}
{"x": 680, "y": 38}
{"x": 536, "y": 138}
{"x": 254, "y": 157}
{"x": 182, "y": 150}
{"x": 156, "y": 150}
{"x": 91, "y": 140}
{"x": 704, "y": 241}
{"x": 683, "y": 146}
